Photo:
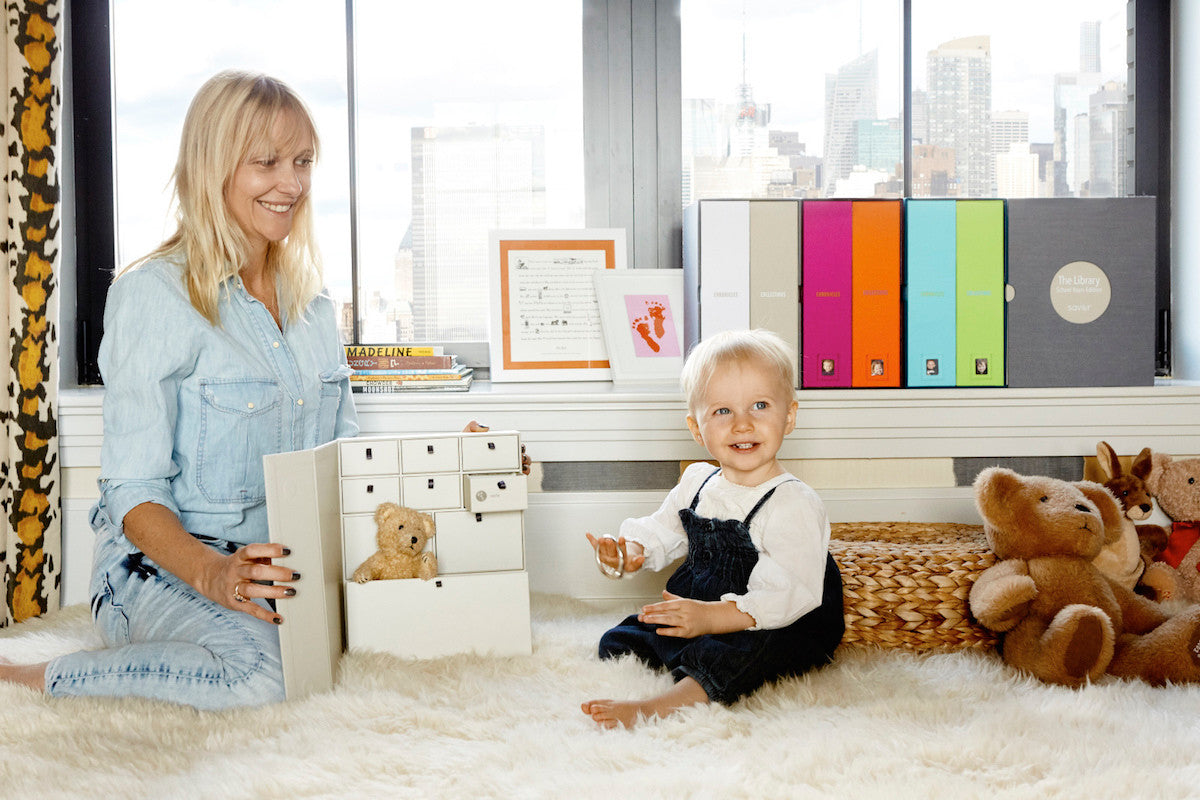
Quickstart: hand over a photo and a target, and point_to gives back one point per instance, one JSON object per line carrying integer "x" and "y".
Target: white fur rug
{"x": 876, "y": 724}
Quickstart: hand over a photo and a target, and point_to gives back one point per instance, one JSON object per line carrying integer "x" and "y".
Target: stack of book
{"x": 404, "y": 368}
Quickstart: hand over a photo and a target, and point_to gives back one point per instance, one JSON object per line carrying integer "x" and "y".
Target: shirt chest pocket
{"x": 241, "y": 420}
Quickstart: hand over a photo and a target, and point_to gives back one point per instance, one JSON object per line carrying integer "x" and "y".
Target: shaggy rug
{"x": 876, "y": 724}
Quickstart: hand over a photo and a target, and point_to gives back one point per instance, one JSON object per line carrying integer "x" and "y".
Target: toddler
{"x": 758, "y": 596}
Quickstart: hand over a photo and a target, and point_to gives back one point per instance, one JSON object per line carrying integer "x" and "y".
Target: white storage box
{"x": 321, "y": 504}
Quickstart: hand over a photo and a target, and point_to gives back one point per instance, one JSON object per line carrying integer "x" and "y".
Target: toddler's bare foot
{"x": 31, "y": 675}
{"x": 611, "y": 713}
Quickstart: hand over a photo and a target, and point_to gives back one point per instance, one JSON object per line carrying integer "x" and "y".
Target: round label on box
{"x": 1080, "y": 292}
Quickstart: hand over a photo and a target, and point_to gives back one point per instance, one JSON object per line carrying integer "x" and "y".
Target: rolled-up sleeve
{"x": 143, "y": 357}
{"x": 788, "y": 580}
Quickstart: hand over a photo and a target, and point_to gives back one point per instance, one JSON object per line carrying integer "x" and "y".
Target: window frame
{"x": 632, "y": 106}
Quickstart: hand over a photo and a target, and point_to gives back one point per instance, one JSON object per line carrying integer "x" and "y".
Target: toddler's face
{"x": 741, "y": 420}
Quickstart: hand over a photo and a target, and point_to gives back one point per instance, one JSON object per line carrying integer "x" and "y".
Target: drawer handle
{"x": 491, "y": 445}
{"x": 501, "y": 484}
{"x": 478, "y": 517}
{"x": 431, "y": 483}
{"x": 370, "y": 455}
{"x": 370, "y": 488}
{"x": 438, "y": 584}
{"x": 429, "y": 449}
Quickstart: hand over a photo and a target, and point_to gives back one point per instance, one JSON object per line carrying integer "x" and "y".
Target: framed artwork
{"x": 642, "y": 315}
{"x": 545, "y": 320}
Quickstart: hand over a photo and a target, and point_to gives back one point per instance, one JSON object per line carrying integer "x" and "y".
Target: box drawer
{"x": 467, "y": 542}
{"x": 486, "y": 452}
{"x": 430, "y": 454}
{"x": 480, "y": 613}
{"x": 369, "y": 457}
{"x": 495, "y": 492}
{"x": 363, "y": 495}
{"x": 425, "y": 492}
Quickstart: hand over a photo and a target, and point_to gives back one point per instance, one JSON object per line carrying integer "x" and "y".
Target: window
{"x": 469, "y": 118}
{"x": 1031, "y": 102}
{"x": 451, "y": 119}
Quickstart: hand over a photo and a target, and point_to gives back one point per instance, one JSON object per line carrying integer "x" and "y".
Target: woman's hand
{"x": 618, "y": 554}
{"x": 687, "y": 618}
{"x": 247, "y": 574}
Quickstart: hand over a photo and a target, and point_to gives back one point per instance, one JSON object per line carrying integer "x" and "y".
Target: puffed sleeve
{"x": 788, "y": 580}
{"x": 661, "y": 534}
{"x": 146, "y": 351}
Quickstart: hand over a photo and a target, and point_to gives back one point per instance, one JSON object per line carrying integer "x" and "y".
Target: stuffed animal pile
{"x": 1175, "y": 484}
{"x": 1062, "y": 619}
{"x": 401, "y": 534}
{"x": 1130, "y": 560}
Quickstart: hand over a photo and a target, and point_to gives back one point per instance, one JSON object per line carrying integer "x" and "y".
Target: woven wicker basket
{"x": 905, "y": 584}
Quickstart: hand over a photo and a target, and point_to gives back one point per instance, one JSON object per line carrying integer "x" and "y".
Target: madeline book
{"x": 392, "y": 350}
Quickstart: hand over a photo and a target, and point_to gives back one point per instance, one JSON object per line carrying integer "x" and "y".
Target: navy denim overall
{"x": 729, "y": 666}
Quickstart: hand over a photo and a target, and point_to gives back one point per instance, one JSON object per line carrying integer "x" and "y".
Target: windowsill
{"x": 597, "y": 421}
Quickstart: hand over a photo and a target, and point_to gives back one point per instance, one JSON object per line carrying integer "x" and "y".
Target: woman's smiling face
{"x": 267, "y": 187}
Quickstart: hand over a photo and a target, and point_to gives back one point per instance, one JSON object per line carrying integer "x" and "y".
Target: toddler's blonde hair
{"x": 757, "y": 346}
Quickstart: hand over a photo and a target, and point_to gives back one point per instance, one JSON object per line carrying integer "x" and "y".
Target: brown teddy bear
{"x": 1175, "y": 484}
{"x": 1063, "y": 620}
{"x": 401, "y": 533}
{"x": 1130, "y": 560}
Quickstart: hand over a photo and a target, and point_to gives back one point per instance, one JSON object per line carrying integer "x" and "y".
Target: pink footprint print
{"x": 658, "y": 314}
{"x": 642, "y": 326}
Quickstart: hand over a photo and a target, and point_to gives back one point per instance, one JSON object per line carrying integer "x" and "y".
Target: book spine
{"x": 980, "y": 293}
{"x": 400, "y": 362}
{"x": 826, "y": 289}
{"x": 395, "y": 376}
{"x": 453, "y": 373}
{"x": 875, "y": 311}
{"x": 360, "y": 350}
{"x": 931, "y": 245}
{"x": 410, "y": 386}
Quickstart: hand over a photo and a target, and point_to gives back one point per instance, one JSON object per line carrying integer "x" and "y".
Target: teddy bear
{"x": 1175, "y": 484}
{"x": 401, "y": 533}
{"x": 1130, "y": 560}
{"x": 1061, "y": 619}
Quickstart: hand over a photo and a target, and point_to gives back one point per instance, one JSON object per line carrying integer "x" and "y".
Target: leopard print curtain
{"x": 29, "y": 482}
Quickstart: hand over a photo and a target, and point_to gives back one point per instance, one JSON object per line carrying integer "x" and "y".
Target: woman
{"x": 219, "y": 348}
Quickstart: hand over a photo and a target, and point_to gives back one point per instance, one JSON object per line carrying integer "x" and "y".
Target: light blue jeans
{"x": 164, "y": 640}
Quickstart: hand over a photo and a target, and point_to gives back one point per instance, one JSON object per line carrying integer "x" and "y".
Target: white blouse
{"x": 790, "y": 532}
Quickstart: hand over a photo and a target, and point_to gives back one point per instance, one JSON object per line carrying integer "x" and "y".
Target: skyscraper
{"x": 850, "y": 96}
{"x": 467, "y": 181}
{"x": 1106, "y": 130}
{"x": 959, "y": 109}
{"x": 1089, "y": 46}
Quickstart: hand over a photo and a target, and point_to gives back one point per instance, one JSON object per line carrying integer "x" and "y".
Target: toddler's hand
{"x": 618, "y": 554}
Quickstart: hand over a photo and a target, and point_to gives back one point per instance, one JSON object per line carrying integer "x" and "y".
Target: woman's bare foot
{"x": 611, "y": 713}
{"x": 31, "y": 675}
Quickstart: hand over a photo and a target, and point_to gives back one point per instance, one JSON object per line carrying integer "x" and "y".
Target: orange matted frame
{"x": 545, "y": 317}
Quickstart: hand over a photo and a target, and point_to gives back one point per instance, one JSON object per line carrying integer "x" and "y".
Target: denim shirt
{"x": 190, "y": 408}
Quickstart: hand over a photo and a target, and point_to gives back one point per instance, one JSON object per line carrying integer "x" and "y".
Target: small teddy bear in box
{"x": 1063, "y": 620}
{"x": 401, "y": 533}
{"x": 1175, "y": 484}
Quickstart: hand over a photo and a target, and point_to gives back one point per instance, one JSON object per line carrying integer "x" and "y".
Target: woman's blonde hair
{"x": 232, "y": 114}
{"x": 755, "y": 346}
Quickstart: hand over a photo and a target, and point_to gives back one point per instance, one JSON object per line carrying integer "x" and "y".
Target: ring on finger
{"x": 237, "y": 592}
{"x": 605, "y": 569}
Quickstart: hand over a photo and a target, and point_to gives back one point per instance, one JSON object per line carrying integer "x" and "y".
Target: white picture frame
{"x": 545, "y": 321}
{"x": 642, "y": 314}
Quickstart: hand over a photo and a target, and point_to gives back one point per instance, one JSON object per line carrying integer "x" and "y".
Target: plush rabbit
{"x": 1130, "y": 559}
